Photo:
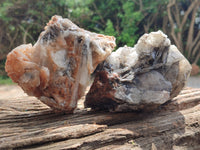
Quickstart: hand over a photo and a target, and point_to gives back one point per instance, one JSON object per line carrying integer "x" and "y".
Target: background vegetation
{"x": 21, "y": 21}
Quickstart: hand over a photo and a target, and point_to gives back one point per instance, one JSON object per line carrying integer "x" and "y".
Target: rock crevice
{"x": 142, "y": 77}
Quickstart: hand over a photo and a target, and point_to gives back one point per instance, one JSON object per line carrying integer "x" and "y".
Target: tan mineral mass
{"x": 57, "y": 68}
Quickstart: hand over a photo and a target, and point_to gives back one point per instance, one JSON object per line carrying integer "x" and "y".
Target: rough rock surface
{"x": 142, "y": 77}
{"x": 57, "y": 68}
{"x": 195, "y": 70}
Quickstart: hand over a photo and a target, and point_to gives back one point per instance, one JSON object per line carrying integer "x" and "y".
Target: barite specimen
{"x": 57, "y": 68}
{"x": 142, "y": 77}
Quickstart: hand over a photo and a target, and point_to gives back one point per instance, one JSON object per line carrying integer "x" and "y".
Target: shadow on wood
{"x": 26, "y": 123}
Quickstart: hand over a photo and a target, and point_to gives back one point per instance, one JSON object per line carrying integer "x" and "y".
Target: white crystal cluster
{"x": 147, "y": 75}
{"x": 58, "y": 68}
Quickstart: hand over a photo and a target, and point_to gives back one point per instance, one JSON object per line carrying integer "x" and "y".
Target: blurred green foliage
{"x": 5, "y": 81}
{"x": 21, "y": 21}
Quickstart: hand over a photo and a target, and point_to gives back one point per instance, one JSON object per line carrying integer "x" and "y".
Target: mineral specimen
{"x": 142, "y": 77}
{"x": 57, "y": 68}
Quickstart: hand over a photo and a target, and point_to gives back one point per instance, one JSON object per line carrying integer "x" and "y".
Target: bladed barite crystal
{"x": 142, "y": 77}
{"x": 57, "y": 68}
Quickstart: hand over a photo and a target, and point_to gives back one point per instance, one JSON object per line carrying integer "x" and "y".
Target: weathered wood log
{"x": 26, "y": 123}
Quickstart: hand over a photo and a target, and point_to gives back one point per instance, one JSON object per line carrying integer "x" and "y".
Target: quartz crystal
{"x": 143, "y": 77}
{"x": 58, "y": 67}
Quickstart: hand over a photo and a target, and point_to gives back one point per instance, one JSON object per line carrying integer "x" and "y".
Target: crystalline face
{"x": 142, "y": 77}
{"x": 57, "y": 68}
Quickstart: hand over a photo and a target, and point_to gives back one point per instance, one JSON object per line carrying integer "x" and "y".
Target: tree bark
{"x": 172, "y": 23}
{"x": 191, "y": 47}
{"x": 190, "y": 37}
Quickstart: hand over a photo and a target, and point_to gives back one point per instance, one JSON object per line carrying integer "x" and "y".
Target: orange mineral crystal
{"x": 58, "y": 67}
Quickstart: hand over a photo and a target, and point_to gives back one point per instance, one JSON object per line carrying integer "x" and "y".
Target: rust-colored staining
{"x": 57, "y": 68}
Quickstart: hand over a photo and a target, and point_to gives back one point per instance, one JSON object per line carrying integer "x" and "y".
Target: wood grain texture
{"x": 26, "y": 123}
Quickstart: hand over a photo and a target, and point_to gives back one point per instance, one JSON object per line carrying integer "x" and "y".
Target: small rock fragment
{"x": 142, "y": 77}
{"x": 195, "y": 70}
{"x": 57, "y": 68}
